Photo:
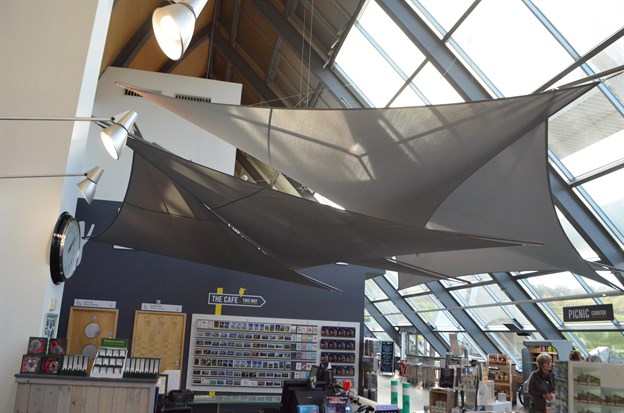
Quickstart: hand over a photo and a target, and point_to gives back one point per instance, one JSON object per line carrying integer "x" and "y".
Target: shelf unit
{"x": 500, "y": 372}
{"x": 249, "y": 354}
{"x": 558, "y": 350}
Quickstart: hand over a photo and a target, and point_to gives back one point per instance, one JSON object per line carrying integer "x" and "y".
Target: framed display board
{"x": 256, "y": 355}
{"x": 387, "y": 357}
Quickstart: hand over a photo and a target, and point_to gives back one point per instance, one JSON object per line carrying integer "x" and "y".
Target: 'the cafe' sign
{"x": 603, "y": 312}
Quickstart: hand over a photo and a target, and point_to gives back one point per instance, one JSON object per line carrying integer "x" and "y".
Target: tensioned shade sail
{"x": 180, "y": 209}
{"x": 455, "y": 167}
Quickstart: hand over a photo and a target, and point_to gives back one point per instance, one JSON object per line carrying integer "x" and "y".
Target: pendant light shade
{"x": 114, "y": 137}
{"x": 174, "y": 26}
{"x": 88, "y": 185}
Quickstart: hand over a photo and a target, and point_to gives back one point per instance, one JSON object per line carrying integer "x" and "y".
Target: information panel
{"x": 387, "y": 357}
{"x": 250, "y": 354}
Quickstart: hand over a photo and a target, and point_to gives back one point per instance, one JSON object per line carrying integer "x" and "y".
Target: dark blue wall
{"x": 132, "y": 277}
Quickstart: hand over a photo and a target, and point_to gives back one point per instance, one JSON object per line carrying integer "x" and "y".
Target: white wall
{"x": 50, "y": 53}
{"x": 157, "y": 125}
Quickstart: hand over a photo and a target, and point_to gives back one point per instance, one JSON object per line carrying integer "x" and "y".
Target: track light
{"x": 174, "y": 26}
{"x": 114, "y": 137}
{"x": 86, "y": 187}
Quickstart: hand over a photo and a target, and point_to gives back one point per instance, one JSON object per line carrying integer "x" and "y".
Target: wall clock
{"x": 64, "y": 248}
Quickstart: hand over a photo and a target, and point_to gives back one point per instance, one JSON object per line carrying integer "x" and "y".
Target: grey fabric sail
{"x": 458, "y": 167}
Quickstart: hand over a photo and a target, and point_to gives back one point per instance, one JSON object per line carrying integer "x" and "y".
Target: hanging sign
{"x": 602, "y": 312}
{"x": 236, "y": 299}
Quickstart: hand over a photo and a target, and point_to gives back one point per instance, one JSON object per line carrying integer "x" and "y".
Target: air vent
{"x": 193, "y": 98}
{"x": 128, "y": 92}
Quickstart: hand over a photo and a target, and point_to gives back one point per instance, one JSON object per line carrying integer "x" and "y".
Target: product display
{"x": 246, "y": 354}
{"x": 499, "y": 370}
{"x": 110, "y": 359}
{"x": 141, "y": 367}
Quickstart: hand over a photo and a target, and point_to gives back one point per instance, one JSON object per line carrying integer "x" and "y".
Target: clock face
{"x": 65, "y": 248}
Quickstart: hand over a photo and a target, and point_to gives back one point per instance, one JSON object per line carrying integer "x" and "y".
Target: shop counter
{"x": 62, "y": 394}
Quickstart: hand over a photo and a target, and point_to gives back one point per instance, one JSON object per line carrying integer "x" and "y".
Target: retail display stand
{"x": 499, "y": 370}
{"x": 110, "y": 359}
{"x": 250, "y": 354}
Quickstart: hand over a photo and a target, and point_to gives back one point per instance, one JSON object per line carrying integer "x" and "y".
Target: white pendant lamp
{"x": 174, "y": 26}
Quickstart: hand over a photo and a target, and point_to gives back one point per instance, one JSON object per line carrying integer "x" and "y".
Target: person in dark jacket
{"x": 541, "y": 384}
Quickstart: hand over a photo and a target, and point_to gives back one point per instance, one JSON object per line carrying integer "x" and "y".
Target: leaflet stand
{"x": 110, "y": 358}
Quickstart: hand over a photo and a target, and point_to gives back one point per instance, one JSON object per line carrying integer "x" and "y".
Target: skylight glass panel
{"x": 507, "y": 42}
{"x": 371, "y": 323}
{"x": 408, "y": 97}
{"x": 373, "y": 292}
{"x": 583, "y": 248}
{"x": 434, "y": 86}
{"x": 445, "y": 13}
{"x": 587, "y": 134}
{"x": 512, "y": 310}
{"x": 556, "y": 285}
{"x": 472, "y": 348}
{"x": 383, "y": 336}
{"x": 386, "y": 307}
{"x": 604, "y": 192}
{"x": 379, "y": 82}
{"x": 442, "y": 321}
{"x": 393, "y": 278}
{"x": 420, "y": 288}
{"x": 485, "y": 317}
{"x": 391, "y": 38}
{"x": 583, "y": 23}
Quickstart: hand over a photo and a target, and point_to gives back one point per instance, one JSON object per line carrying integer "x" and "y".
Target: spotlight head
{"x": 114, "y": 137}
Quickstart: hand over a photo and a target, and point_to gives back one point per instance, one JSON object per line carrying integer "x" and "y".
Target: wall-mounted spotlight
{"x": 114, "y": 136}
{"x": 174, "y": 26}
{"x": 86, "y": 187}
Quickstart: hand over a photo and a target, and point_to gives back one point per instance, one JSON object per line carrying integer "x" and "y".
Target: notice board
{"x": 387, "y": 357}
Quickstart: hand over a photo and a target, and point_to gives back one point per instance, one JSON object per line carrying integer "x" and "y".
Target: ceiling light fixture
{"x": 174, "y": 26}
{"x": 86, "y": 187}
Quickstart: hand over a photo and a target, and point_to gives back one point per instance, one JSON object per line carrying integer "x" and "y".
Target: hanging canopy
{"x": 181, "y": 209}
{"x": 477, "y": 168}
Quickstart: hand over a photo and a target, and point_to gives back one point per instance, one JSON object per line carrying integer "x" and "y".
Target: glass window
{"x": 371, "y": 323}
{"x": 610, "y": 201}
{"x": 514, "y": 50}
{"x": 605, "y": 342}
{"x": 473, "y": 350}
{"x": 555, "y": 285}
{"x": 434, "y": 86}
{"x": 391, "y": 38}
{"x": 582, "y": 25}
{"x": 407, "y": 97}
{"x": 512, "y": 344}
{"x": 379, "y": 82}
{"x": 583, "y": 248}
{"x": 373, "y": 292}
{"x": 445, "y": 13}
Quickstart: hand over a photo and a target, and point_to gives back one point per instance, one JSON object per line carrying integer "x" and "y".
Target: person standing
{"x": 541, "y": 384}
